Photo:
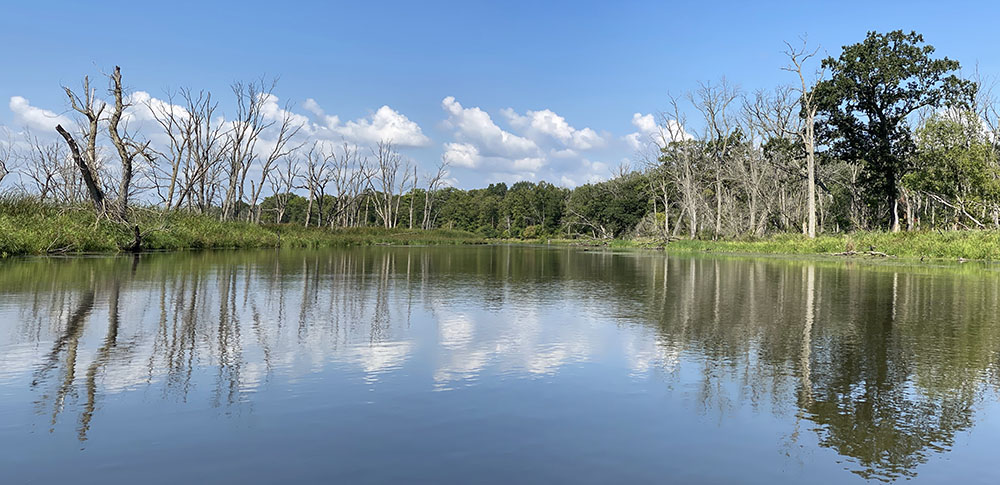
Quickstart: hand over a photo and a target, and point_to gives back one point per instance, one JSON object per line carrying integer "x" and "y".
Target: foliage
{"x": 956, "y": 163}
{"x": 875, "y": 86}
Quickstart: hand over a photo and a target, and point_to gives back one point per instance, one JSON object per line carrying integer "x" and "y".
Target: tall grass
{"x": 972, "y": 245}
{"x": 31, "y": 226}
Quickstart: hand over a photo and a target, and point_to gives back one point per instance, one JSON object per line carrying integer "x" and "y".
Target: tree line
{"x": 885, "y": 136}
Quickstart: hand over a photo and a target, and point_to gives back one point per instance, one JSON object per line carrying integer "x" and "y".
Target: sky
{"x": 561, "y": 91}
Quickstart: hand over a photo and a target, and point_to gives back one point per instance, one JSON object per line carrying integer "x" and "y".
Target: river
{"x": 495, "y": 364}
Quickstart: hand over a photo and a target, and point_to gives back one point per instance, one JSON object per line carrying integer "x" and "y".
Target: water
{"x": 495, "y": 365}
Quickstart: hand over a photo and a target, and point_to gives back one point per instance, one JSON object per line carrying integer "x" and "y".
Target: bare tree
{"x": 413, "y": 194}
{"x": 769, "y": 117}
{"x": 282, "y": 186}
{"x": 241, "y": 139}
{"x": 681, "y": 161}
{"x": 433, "y": 185}
{"x": 6, "y": 157}
{"x": 177, "y": 126}
{"x": 797, "y": 57}
{"x": 287, "y": 129}
{"x": 125, "y": 144}
{"x": 351, "y": 175}
{"x": 86, "y": 160}
{"x": 317, "y": 178}
{"x": 388, "y": 165}
{"x": 45, "y": 169}
{"x": 714, "y": 101}
{"x": 205, "y": 139}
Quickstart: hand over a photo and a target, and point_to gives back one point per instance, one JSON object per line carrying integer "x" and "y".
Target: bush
{"x": 531, "y": 232}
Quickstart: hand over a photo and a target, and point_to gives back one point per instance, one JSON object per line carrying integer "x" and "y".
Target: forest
{"x": 887, "y": 135}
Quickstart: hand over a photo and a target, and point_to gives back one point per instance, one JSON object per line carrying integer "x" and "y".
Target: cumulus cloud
{"x": 537, "y": 124}
{"x": 36, "y": 118}
{"x": 384, "y": 124}
{"x": 462, "y": 154}
{"x": 473, "y": 125}
{"x": 538, "y": 145}
{"x": 649, "y": 132}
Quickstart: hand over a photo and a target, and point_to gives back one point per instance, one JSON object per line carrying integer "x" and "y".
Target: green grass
{"x": 946, "y": 245}
{"x": 28, "y": 226}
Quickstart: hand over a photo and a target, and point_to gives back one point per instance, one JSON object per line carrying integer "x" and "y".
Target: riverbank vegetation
{"x": 887, "y": 147}
{"x": 28, "y": 226}
{"x": 910, "y": 245}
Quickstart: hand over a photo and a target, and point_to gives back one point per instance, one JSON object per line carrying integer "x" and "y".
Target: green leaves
{"x": 955, "y": 160}
{"x": 864, "y": 107}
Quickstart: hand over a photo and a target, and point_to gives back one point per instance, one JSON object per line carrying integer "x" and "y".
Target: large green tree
{"x": 865, "y": 106}
{"x": 956, "y": 165}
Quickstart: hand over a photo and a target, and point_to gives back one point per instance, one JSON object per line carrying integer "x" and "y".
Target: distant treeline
{"x": 887, "y": 135}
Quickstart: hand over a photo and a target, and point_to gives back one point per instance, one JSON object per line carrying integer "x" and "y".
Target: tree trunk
{"x": 96, "y": 194}
{"x": 895, "y": 214}
{"x": 811, "y": 171}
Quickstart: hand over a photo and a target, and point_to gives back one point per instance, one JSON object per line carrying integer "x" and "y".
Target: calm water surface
{"x": 495, "y": 365}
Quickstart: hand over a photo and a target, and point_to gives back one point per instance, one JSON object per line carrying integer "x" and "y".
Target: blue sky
{"x": 560, "y": 82}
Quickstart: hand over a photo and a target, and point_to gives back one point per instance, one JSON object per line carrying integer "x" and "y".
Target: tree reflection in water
{"x": 885, "y": 363}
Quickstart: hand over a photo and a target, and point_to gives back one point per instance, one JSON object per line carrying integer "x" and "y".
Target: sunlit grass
{"x": 971, "y": 245}
{"x": 30, "y": 226}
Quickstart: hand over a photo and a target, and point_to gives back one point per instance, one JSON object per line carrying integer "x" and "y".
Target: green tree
{"x": 956, "y": 165}
{"x": 611, "y": 208}
{"x": 863, "y": 109}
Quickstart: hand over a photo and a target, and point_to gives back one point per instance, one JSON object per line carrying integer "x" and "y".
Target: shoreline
{"x": 916, "y": 246}
{"x": 30, "y": 228}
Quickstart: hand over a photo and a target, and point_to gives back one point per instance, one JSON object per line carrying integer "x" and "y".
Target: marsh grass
{"x": 29, "y": 226}
{"x": 941, "y": 245}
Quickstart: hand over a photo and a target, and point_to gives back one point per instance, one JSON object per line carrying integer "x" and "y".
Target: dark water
{"x": 495, "y": 365}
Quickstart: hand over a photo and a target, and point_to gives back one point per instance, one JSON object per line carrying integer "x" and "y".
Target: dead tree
{"x": 681, "y": 159}
{"x": 350, "y": 173}
{"x": 714, "y": 101}
{"x": 317, "y": 178}
{"x": 86, "y": 160}
{"x": 282, "y": 186}
{"x": 797, "y": 57}
{"x": 388, "y": 164}
{"x": 287, "y": 129}
{"x": 6, "y": 157}
{"x": 125, "y": 144}
{"x": 206, "y": 150}
{"x": 177, "y": 127}
{"x": 241, "y": 140}
{"x": 770, "y": 117}
{"x": 433, "y": 184}
{"x": 413, "y": 194}
{"x": 45, "y": 170}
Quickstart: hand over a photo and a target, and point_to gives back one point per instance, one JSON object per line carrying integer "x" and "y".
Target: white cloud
{"x": 462, "y": 154}
{"x": 473, "y": 125}
{"x": 539, "y": 145}
{"x": 273, "y": 111}
{"x": 384, "y": 124}
{"x": 36, "y": 118}
{"x": 649, "y": 132}
{"x": 535, "y": 124}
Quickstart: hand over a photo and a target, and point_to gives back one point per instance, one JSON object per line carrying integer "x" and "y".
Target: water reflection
{"x": 884, "y": 365}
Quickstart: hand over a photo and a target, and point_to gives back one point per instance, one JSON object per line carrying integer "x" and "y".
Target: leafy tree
{"x": 863, "y": 108}
{"x": 612, "y": 208}
{"x": 956, "y": 165}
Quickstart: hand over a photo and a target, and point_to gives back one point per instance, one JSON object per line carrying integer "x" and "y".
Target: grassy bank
{"x": 29, "y": 227}
{"x": 953, "y": 245}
